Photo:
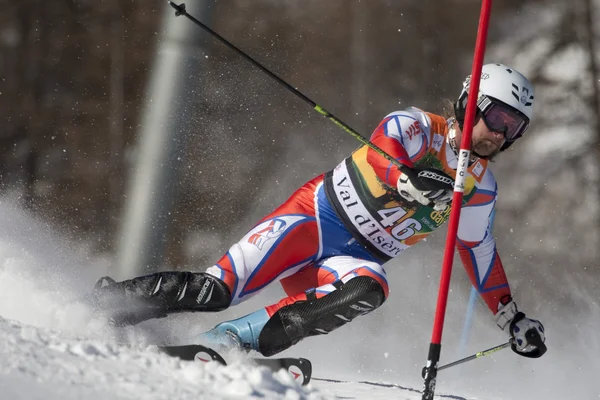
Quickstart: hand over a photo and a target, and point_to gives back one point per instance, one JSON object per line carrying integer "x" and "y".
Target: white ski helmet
{"x": 500, "y": 88}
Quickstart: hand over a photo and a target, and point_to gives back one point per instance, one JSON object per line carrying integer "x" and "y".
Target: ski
{"x": 299, "y": 368}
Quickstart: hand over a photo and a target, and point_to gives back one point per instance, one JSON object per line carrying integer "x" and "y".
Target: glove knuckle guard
{"x": 527, "y": 334}
{"x": 425, "y": 185}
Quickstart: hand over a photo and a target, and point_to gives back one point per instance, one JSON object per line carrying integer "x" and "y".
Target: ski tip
{"x": 300, "y": 369}
{"x": 306, "y": 370}
{"x": 193, "y": 352}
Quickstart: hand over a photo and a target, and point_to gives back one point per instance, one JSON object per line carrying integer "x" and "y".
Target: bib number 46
{"x": 404, "y": 229}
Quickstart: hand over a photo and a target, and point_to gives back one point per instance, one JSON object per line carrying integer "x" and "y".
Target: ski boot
{"x": 241, "y": 334}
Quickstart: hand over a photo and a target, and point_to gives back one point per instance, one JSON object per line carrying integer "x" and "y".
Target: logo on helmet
{"x": 525, "y": 98}
{"x": 467, "y": 82}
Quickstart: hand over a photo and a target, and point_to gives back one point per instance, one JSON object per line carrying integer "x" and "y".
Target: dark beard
{"x": 474, "y": 154}
{"x": 489, "y": 158}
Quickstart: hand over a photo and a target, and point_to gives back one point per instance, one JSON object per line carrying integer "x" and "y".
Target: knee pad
{"x": 294, "y": 322}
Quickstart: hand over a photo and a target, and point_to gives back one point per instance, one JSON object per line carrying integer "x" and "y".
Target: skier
{"x": 328, "y": 242}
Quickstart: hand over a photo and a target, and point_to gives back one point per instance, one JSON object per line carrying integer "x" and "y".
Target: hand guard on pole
{"x": 427, "y": 186}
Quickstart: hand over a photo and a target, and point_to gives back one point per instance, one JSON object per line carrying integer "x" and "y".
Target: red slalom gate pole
{"x": 430, "y": 370}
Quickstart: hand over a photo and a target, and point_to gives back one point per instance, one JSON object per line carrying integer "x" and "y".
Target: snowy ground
{"x": 51, "y": 348}
{"x": 40, "y": 363}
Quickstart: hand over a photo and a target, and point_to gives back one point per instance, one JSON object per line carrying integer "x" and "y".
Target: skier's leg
{"x": 265, "y": 254}
{"x": 154, "y": 296}
{"x": 325, "y": 308}
{"x": 349, "y": 287}
{"x": 280, "y": 245}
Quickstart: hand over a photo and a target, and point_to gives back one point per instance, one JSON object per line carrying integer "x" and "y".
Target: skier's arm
{"x": 477, "y": 249}
{"x": 402, "y": 136}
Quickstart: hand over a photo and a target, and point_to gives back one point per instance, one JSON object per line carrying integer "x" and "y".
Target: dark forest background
{"x": 74, "y": 84}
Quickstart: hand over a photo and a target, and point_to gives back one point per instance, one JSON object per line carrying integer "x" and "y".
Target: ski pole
{"x": 476, "y": 355}
{"x": 180, "y": 10}
{"x": 533, "y": 337}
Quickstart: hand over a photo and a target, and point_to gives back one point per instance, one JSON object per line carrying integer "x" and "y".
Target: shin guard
{"x": 294, "y": 322}
{"x": 154, "y": 296}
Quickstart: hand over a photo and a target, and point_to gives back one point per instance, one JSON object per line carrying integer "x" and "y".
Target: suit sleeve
{"x": 401, "y": 135}
{"x": 477, "y": 249}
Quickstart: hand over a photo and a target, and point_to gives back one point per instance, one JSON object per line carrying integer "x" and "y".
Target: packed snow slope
{"x": 41, "y": 364}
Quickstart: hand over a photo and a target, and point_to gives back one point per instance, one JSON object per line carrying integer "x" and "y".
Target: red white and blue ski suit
{"x": 351, "y": 220}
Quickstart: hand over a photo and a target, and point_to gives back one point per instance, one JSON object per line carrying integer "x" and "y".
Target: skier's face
{"x": 486, "y": 143}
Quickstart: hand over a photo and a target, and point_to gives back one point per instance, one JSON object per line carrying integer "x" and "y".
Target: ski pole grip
{"x": 179, "y": 9}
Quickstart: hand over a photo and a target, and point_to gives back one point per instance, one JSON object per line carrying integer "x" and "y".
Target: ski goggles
{"x": 499, "y": 117}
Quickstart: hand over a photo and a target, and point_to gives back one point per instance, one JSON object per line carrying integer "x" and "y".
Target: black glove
{"x": 427, "y": 186}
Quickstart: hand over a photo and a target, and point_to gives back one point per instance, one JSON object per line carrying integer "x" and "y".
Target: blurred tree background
{"x": 74, "y": 78}
{"x": 73, "y": 85}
